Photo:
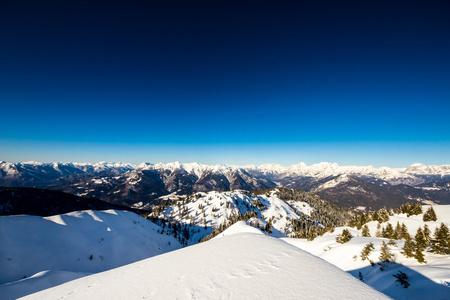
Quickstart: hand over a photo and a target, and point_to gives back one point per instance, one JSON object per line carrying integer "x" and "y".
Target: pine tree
{"x": 429, "y": 215}
{"x": 388, "y": 232}
{"x": 397, "y": 231}
{"x": 312, "y": 234}
{"x": 415, "y": 209}
{"x": 385, "y": 254}
{"x": 375, "y": 216}
{"x": 354, "y": 221}
{"x": 427, "y": 234}
{"x": 404, "y": 209}
{"x": 419, "y": 256}
{"x": 384, "y": 215}
{"x": 365, "y": 218}
{"x": 404, "y": 234}
{"x": 344, "y": 237}
{"x": 408, "y": 248}
{"x": 441, "y": 240}
{"x": 269, "y": 228}
{"x": 378, "y": 233}
{"x": 365, "y": 231}
{"x": 420, "y": 246}
{"x": 366, "y": 251}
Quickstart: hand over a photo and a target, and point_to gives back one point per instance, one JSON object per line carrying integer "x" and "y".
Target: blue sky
{"x": 226, "y": 82}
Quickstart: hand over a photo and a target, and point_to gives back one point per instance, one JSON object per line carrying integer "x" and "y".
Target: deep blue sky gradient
{"x": 242, "y": 82}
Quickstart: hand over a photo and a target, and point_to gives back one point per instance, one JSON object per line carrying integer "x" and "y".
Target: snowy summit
{"x": 242, "y": 264}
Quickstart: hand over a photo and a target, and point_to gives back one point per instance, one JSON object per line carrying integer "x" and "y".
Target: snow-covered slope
{"x": 203, "y": 212}
{"x": 40, "y": 252}
{"x": 240, "y": 265}
{"x": 427, "y": 281}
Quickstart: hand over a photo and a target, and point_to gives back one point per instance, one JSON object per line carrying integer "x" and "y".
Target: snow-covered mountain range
{"x": 141, "y": 185}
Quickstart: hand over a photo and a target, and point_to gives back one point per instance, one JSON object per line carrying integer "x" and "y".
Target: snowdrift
{"x": 40, "y": 252}
{"x": 241, "y": 264}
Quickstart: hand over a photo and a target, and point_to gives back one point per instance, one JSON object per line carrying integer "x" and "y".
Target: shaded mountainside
{"x": 40, "y": 202}
{"x": 355, "y": 192}
{"x": 143, "y": 186}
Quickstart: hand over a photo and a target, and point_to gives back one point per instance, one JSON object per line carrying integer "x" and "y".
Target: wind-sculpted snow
{"x": 40, "y": 252}
{"x": 240, "y": 265}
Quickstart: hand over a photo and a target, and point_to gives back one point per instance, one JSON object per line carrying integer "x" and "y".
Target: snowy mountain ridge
{"x": 321, "y": 169}
{"x": 144, "y": 184}
{"x": 278, "y": 211}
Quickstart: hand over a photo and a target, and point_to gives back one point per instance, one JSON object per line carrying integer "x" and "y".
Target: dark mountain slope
{"x": 40, "y": 202}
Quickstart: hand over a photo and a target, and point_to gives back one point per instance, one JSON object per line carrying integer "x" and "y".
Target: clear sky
{"x": 232, "y": 82}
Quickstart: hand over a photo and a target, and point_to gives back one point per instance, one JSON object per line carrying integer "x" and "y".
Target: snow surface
{"x": 239, "y": 265}
{"x": 40, "y": 252}
{"x": 428, "y": 281}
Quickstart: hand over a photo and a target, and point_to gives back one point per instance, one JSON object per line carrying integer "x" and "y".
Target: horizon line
{"x": 219, "y": 164}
